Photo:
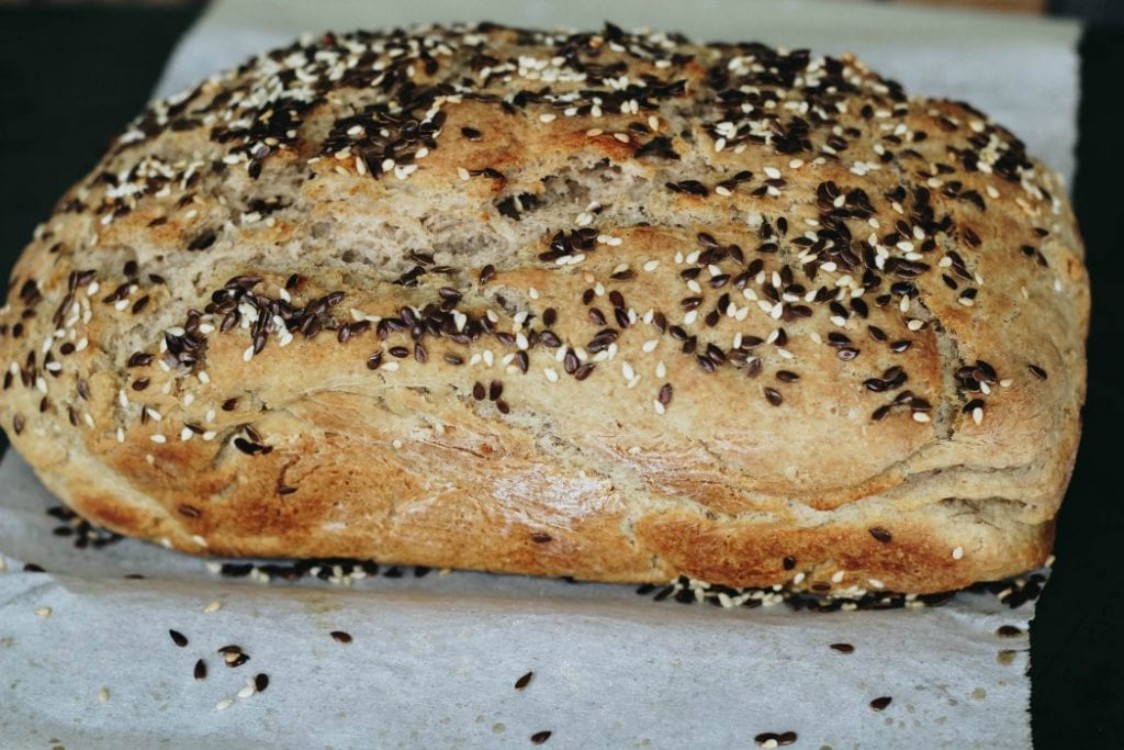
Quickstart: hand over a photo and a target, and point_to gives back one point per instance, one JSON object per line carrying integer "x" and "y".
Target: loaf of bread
{"x": 606, "y": 305}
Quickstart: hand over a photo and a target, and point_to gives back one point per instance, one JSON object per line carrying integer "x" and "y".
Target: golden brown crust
{"x": 612, "y": 306}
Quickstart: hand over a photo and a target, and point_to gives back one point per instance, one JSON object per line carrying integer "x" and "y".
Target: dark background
{"x": 70, "y": 78}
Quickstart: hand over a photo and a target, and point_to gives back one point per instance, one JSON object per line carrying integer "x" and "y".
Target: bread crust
{"x": 611, "y": 306}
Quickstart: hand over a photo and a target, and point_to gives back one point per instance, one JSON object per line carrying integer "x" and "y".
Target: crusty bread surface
{"x": 605, "y": 305}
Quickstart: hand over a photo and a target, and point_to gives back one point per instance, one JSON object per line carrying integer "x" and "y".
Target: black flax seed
{"x": 880, "y": 534}
{"x": 524, "y": 681}
{"x": 879, "y": 704}
{"x": 261, "y": 682}
{"x": 540, "y": 737}
{"x": 843, "y": 648}
{"x": 340, "y": 636}
{"x": 1008, "y": 631}
{"x": 178, "y": 638}
{"x": 201, "y": 670}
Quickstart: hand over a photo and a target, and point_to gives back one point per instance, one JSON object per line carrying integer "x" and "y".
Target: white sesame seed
{"x": 920, "y": 416}
{"x": 200, "y": 541}
{"x": 208, "y": 436}
{"x": 658, "y": 406}
{"x": 958, "y": 553}
{"x": 158, "y": 438}
{"x": 550, "y": 374}
{"x": 977, "y": 415}
{"x": 103, "y": 695}
{"x": 798, "y": 579}
{"x": 88, "y": 419}
{"x": 247, "y": 691}
{"x": 661, "y": 370}
{"x": 43, "y": 612}
{"x": 203, "y": 377}
{"x": 463, "y": 174}
{"x": 120, "y": 434}
{"x": 915, "y": 324}
{"x": 1006, "y": 382}
{"x": 650, "y": 345}
{"x": 224, "y": 704}
{"x": 213, "y": 606}
{"x": 547, "y": 117}
{"x": 837, "y": 577}
{"x": 390, "y": 366}
{"x": 186, "y": 434}
{"x": 622, "y": 137}
{"x": 690, "y": 317}
{"x": 627, "y": 371}
{"x": 772, "y": 173}
{"x": 694, "y": 286}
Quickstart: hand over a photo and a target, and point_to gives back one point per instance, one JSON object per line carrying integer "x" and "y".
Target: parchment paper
{"x": 86, "y": 659}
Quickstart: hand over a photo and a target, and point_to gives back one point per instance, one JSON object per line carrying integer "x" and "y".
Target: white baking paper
{"x": 86, "y": 660}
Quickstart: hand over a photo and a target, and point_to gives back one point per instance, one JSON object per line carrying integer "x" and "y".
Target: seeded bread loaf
{"x": 605, "y": 305}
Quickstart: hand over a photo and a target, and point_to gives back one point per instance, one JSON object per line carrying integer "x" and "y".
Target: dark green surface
{"x": 69, "y": 79}
{"x": 1077, "y": 658}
